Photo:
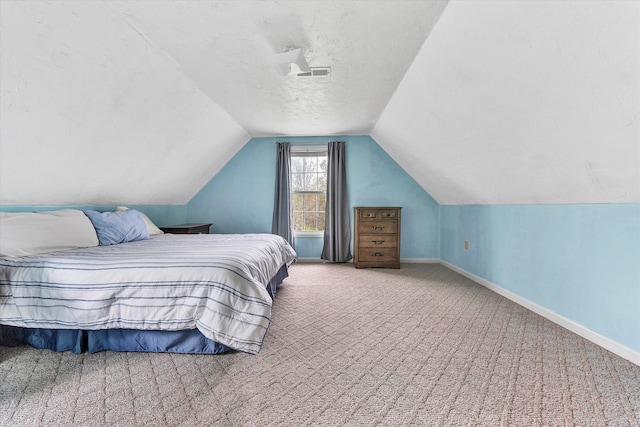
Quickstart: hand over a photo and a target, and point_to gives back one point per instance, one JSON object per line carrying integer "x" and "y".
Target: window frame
{"x": 307, "y": 151}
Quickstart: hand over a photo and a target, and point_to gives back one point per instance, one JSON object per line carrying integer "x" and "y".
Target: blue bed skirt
{"x": 79, "y": 341}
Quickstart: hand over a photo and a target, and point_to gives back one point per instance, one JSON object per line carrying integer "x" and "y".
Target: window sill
{"x": 308, "y": 234}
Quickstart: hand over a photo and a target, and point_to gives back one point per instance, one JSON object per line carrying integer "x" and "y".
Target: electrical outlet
{"x": 466, "y": 245}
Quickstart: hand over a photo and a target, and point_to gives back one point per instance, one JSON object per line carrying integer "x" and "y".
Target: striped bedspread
{"x": 213, "y": 282}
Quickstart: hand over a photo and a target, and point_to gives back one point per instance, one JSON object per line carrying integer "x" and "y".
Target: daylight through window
{"x": 309, "y": 188}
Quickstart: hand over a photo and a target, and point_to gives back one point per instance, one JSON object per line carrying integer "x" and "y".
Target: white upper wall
{"x": 92, "y": 112}
{"x": 522, "y": 102}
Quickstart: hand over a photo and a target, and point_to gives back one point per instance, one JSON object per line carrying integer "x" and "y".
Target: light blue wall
{"x": 375, "y": 179}
{"x": 579, "y": 261}
{"x": 161, "y": 215}
{"x": 239, "y": 199}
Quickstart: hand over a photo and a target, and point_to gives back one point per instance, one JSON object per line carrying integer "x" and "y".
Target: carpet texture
{"x": 417, "y": 346}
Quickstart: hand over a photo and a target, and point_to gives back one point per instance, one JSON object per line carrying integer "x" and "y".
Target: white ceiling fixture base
{"x": 291, "y": 61}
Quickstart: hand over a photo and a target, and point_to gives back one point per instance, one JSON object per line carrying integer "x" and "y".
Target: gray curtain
{"x": 282, "y": 224}
{"x": 337, "y": 227}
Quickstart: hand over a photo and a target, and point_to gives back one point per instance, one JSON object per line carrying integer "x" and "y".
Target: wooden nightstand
{"x": 187, "y": 229}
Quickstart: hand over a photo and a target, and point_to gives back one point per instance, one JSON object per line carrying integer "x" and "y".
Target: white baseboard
{"x": 604, "y": 342}
{"x": 303, "y": 260}
{"x": 420, "y": 260}
{"x": 402, "y": 260}
{"x": 607, "y": 343}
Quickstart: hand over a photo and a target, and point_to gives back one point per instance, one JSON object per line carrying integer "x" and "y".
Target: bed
{"x": 163, "y": 293}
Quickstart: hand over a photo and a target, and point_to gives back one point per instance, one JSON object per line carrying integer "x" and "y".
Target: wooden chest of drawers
{"x": 377, "y": 237}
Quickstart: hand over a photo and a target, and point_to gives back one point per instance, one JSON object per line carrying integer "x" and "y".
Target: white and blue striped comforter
{"x": 213, "y": 282}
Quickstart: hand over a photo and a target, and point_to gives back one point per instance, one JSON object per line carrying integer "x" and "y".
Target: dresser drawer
{"x": 378, "y": 227}
{"x": 378, "y": 241}
{"x": 368, "y": 213}
{"x": 378, "y": 255}
{"x": 378, "y": 214}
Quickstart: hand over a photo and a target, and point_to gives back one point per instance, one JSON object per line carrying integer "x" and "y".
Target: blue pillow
{"x": 118, "y": 227}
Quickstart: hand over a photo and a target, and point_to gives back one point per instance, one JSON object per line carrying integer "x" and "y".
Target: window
{"x": 309, "y": 189}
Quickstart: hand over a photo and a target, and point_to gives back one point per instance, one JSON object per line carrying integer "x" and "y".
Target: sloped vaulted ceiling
{"x": 523, "y": 102}
{"x": 480, "y": 101}
{"x": 92, "y": 112}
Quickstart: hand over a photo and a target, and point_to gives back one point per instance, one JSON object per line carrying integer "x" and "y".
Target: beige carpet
{"x": 417, "y": 346}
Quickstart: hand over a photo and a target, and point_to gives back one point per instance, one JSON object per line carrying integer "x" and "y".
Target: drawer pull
{"x": 378, "y": 242}
{"x": 377, "y": 227}
{"x": 377, "y": 254}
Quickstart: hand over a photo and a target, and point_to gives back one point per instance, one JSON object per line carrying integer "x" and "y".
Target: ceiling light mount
{"x": 291, "y": 61}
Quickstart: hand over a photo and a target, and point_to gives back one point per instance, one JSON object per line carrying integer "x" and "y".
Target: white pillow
{"x": 28, "y": 233}
{"x": 152, "y": 229}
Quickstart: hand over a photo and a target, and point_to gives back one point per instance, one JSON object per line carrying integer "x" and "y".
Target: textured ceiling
{"x": 98, "y": 97}
{"x": 224, "y": 47}
{"x": 481, "y": 102}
